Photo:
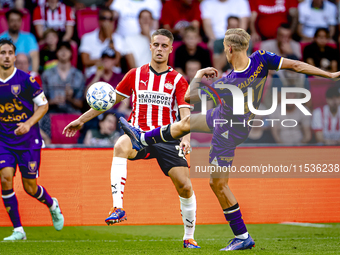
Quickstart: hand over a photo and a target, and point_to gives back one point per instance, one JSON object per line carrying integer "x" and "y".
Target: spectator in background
{"x": 319, "y": 54}
{"x": 301, "y": 133}
{"x": 139, "y": 44}
{"x": 191, "y": 68}
{"x": 81, "y": 4}
{"x": 93, "y": 44}
{"x": 106, "y": 135}
{"x": 24, "y": 42}
{"x": 56, "y": 15}
{"x": 268, "y": 15}
{"x": 215, "y": 14}
{"x": 314, "y": 14}
{"x": 179, "y": 14}
{"x": 106, "y": 74}
{"x": 283, "y": 45}
{"x": 63, "y": 84}
{"x": 191, "y": 50}
{"x": 326, "y": 120}
{"x": 127, "y": 12}
{"x": 22, "y": 62}
{"x": 219, "y": 57}
{"x": 48, "y": 56}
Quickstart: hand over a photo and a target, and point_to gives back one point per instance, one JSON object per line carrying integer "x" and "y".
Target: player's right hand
{"x": 209, "y": 72}
{"x": 335, "y": 76}
{"x": 72, "y": 128}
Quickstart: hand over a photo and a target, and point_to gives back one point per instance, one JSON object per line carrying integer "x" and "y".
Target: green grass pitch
{"x": 269, "y": 238}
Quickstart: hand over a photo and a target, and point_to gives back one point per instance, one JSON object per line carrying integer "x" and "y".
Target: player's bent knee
{"x": 30, "y": 186}
{"x": 123, "y": 147}
{"x": 217, "y": 185}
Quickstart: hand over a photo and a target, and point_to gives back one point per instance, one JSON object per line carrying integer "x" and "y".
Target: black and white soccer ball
{"x": 101, "y": 96}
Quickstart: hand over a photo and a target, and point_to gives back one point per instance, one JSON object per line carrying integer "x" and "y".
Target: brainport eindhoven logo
{"x": 239, "y": 104}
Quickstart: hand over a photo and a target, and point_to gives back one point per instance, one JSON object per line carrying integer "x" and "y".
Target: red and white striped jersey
{"x": 325, "y": 121}
{"x": 156, "y": 97}
{"x": 57, "y": 19}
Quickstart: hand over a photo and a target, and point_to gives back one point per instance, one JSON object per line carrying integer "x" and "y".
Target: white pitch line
{"x": 305, "y": 224}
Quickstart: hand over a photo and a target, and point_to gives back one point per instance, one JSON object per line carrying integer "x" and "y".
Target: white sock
{"x": 243, "y": 236}
{"x": 53, "y": 206}
{"x": 19, "y": 229}
{"x": 118, "y": 179}
{"x": 188, "y": 208}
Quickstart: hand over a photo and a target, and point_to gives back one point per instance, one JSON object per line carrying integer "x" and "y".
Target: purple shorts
{"x": 225, "y": 138}
{"x": 27, "y": 160}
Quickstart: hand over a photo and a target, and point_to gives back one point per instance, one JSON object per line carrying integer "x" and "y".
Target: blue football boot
{"x": 240, "y": 244}
{"x": 133, "y": 133}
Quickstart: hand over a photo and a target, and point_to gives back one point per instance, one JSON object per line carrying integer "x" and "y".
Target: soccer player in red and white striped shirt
{"x": 56, "y": 15}
{"x": 158, "y": 93}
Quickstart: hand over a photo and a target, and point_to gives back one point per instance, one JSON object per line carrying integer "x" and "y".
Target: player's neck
{"x": 240, "y": 61}
{"x": 4, "y": 74}
{"x": 159, "y": 68}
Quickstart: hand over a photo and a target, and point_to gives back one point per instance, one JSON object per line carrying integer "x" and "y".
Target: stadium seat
{"x": 87, "y": 20}
{"x": 58, "y": 123}
{"x": 26, "y": 20}
{"x": 318, "y": 88}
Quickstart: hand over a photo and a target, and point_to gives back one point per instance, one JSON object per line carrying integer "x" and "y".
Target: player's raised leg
{"x": 122, "y": 151}
{"x": 11, "y": 204}
{"x": 170, "y": 132}
{"x": 181, "y": 180}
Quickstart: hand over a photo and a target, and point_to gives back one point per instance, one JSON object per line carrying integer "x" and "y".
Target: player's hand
{"x": 71, "y": 129}
{"x": 185, "y": 145}
{"x": 209, "y": 72}
{"x": 22, "y": 129}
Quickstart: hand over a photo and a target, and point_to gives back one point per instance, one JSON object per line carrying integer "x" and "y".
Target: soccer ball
{"x": 101, "y": 96}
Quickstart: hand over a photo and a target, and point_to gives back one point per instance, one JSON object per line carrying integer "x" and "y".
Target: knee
{"x": 6, "y": 181}
{"x": 122, "y": 148}
{"x": 217, "y": 185}
{"x": 184, "y": 188}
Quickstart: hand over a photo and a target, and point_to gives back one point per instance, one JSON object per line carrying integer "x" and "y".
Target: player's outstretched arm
{"x": 72, "y": 128}
{"x": 302, "y": 67}
{"x": 191, "y": 95}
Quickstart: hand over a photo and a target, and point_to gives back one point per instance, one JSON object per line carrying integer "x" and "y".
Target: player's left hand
{"x": 185, "y": 146}
{"x": 22, "y": 129}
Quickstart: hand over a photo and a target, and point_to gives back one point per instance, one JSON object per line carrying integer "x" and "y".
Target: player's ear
{"x": 171, "y": 48}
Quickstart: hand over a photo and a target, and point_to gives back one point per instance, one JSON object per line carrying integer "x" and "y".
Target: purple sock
{"x": 11, "y": 205}
{"x": 158, "y": 135}
{"x": 234, "y": 217}
{"x": 43, "y": 196}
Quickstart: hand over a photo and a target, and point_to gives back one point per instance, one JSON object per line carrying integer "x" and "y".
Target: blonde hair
{"x": 237, "y": 38}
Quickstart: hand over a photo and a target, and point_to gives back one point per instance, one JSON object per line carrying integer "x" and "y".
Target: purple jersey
{"x": 16, "y": 105}
{"x": 254, "y": 76}
{"x": 226, "y": 137}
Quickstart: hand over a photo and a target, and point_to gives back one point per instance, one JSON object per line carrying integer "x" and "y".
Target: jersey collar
{"x": 241, "y": 71}
{"x": 9, "y": 77}
{"x": 167, "y": 71}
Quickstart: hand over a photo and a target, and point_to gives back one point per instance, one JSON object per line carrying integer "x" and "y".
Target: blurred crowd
{"x": 70, "y": 44}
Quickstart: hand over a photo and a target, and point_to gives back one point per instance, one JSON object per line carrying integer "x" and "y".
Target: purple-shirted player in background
{"x": 20, "y": 140}
{"x": 226, "y": 138}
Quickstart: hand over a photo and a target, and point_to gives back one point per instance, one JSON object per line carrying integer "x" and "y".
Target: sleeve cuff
{"x": 122, "y": 94}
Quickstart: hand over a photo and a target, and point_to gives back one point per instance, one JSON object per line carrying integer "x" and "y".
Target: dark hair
{"x": 8, "y": 41}
{"x": 284, "y": 25}
{"x": 233, "y": 17}
{"x": 164, "y": 32}
{"x": 16, "y": 11}
{"x": 333, "y": 92}
{"x": 64, "y": 44}
{"x": 144, "y": 10}
{"x": 49, "y": 30}
{"x": 104, "y": 116}
{"x": 318, "y": 30}
{"x": 191, "y": 29}
{"x": 104, "y": 9}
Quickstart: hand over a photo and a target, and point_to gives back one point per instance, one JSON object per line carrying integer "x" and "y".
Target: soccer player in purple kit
{"x": 226, "y": 137}
{"x": 20, "y": 140}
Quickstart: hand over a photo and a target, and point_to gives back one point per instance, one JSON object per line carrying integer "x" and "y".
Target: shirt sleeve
{"x": 317, "y": 120}
{"x": 166, "y": 15}
{"x": 244, "y": 9}
{"x": 37, "y": 17}
{"x": 33, "y": 45}
{"x": 181, "y": 89}
{"x": 125, "y": 87}
{"x": 33, "y": 86}
{"x": 253, "y": 5}
{"x": 332, "y": 14}
{"x": 85, "y": 45}
{"x": 292, "y": 4}
{"x": 273, "y": 61}
{"x": 70, "y": 17}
